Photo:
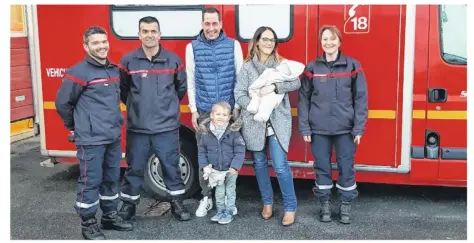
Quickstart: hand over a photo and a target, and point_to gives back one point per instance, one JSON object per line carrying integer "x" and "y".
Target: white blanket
{"x": 262, "y": 106}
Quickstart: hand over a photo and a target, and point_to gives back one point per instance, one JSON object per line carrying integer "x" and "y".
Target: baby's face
{"x": 220, "y": 116}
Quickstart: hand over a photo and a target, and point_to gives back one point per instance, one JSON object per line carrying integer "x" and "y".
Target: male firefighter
{"x": 152, "y": 82}
{"x": 89, "y": 105}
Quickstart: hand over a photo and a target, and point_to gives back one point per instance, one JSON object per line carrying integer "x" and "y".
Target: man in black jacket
{"x": 88, "y": 103}
{"x": 152, "y": 82}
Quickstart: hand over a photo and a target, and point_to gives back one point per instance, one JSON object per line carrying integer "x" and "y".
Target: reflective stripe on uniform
{"x": 87, "y": 205}
{"x": 350, "y": 188}
{"x": 178, "y": 192}
{"x": 323, "y": 187}
{"x": 129, "y": 197}
{"x": 108, "y": 197}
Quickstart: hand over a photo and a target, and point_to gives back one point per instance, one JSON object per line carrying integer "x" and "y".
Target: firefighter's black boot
{"x": 179, "y": 210}
{"x": 345, "y": 213}
{"x": 128, "y": 211}
{"x": 112, "y": 221}
{"x": 91, "y": 230}
{"x": 325, "y": 212}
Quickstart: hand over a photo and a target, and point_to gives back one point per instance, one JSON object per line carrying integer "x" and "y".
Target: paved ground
{"x": 42, "y": 208}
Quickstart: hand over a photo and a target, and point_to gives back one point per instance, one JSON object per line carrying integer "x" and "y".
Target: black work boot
{"x": 112, "y": 221}
{"x": 128, "y": 211}
{"x": 325, "y": 212}
{"x": 345, "y": 210}
{"x": 91, "y": 230}
{"x": 179, "y": 210}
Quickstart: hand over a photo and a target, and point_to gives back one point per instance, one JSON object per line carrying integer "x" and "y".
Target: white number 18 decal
{"x": 360, "y": 23}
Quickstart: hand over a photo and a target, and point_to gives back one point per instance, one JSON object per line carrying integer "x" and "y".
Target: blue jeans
{"x": 282, "y": 170}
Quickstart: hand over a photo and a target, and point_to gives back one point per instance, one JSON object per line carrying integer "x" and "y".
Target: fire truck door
{"x": 446, "y": 111}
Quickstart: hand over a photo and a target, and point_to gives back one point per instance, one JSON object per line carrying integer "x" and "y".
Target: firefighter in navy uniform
{"x": 152, "y": 82}
{"x": 88, "y": 102}
{"x": 332, "y": 111}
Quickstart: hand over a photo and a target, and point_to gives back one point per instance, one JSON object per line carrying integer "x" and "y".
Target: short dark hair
{"x": 211, "y": 11}
{"x": 92, "y": 31}
{"x": 148, "y": 20}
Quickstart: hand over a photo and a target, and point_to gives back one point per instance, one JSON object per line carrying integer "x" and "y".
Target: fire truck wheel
{"x": 154, "y": 186}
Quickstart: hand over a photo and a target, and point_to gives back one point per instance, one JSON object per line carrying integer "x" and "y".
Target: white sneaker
{"x": 204, "y": 205}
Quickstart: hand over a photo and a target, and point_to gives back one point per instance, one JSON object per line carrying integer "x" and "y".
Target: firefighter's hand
{"x": 235, "y": 113}
{"x": 357, "y": 139}
{"x": 70, "y": 137}
{"x": 194, "y": 118}
{"x": 307, "y": 139}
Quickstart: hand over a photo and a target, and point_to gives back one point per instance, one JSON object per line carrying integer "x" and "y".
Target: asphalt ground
{"x": 42, "y": 208}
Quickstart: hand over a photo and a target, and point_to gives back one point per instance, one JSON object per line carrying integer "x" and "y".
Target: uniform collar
{"x": 94, "y": 62}
{"x": 340, "y": 60}
{"x": 140, "y": 54}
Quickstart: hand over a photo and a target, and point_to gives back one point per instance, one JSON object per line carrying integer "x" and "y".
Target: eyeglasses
{"x": 266, "y": 40}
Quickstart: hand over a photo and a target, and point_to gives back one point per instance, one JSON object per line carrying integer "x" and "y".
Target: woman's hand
{"x": 307, "y": 139}
{"x": 266, "y": 89}
{"x": 357, "y": 139}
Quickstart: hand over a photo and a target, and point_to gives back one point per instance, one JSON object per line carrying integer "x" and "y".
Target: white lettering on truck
{"x": 55, "y": 72}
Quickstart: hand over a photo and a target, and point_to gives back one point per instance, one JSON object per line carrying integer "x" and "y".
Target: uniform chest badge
{"x": 144, "y": 75}
{"x": 106, "y": 84}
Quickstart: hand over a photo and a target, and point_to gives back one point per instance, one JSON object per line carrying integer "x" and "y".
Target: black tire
{"x": 154, "y": 186}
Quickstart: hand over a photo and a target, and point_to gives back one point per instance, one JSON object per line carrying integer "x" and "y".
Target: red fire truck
{"x": 414, "y": 58}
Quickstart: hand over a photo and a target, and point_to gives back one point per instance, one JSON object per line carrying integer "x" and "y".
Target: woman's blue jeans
{"x": 282, "y": 170}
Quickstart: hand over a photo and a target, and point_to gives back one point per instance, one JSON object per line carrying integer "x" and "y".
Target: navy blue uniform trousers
{"x": 321, "y": 146}
{"x": 166, "y": 147}
{"x": 99, "y": 178}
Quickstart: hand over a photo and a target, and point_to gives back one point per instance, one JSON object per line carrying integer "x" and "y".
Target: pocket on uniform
{"x": 343, "y": 90}
{"x": 313, "y": 117}
{"x": 83, "y": 153}
{"x": 165, "y": 84}
{"x": 345, "y": 116}
{"x": 101, "y": 127}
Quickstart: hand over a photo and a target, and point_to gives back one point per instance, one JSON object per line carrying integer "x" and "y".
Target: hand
{"x": 266, "y": 89}
{"x": 194, "y": 119}
{"x": 235, "y": 113}
{"x": 70, "y": 137}
{"x": 232, "y": 171}
{"x": 357, "y": 139}
{"x": 307, "y": 139}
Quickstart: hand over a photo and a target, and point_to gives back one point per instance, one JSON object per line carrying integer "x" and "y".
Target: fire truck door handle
{"x": 437, "y": 95}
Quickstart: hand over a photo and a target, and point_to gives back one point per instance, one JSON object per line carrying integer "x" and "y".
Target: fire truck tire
{"x": 154, "y": 186}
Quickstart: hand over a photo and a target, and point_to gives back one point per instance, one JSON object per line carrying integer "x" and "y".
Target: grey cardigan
{"x": 253, "y": 132}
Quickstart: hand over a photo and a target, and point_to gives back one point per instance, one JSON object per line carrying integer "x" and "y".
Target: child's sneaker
{"x": 218, "y": 216}
{"x": 226, "y": 218}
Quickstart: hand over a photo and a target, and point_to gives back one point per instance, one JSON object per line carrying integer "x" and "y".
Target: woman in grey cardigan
{"x": 263, "y": 53}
